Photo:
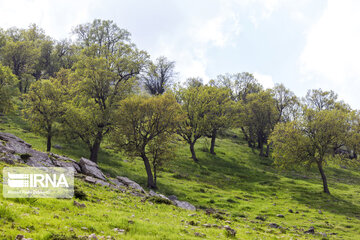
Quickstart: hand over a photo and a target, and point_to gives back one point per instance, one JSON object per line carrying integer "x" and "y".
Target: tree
{"x": 144, "y": 128}
{"x": 319, "y": 100}
{"x": 286, "y": 103}
{"x": 259, "y": 118}
{"x": 194, "y": 104}
{"x": 159, "y": 76}
{"x": 21, "y": 57}
{"x": 104, "y": 74}
{"x": 101, "y": 37}
{"x": 310, "y": 140}
{"x": 44, "y": 107}
{"x": 8, "y": 89}
{"x": 240, "y": 85}
{"x": 219, "y": 114}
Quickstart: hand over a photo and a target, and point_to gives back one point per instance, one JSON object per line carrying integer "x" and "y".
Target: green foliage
{"x": 8, "y": 89}
{"x": 311, "y": 139}
{"x": 21, "y": 57}
{"x": 44, "y": 106}
{"x": 286, "y": 102}
{"x": 144, "y": 128}
{"x": 258, "y": 118}
{"x": 194, "y": 103}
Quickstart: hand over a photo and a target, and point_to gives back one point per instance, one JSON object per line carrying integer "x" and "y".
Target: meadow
{"x": 235, "y": 187}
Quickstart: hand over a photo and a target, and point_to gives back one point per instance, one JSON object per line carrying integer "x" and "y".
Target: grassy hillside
{"x": 248, "y": 189}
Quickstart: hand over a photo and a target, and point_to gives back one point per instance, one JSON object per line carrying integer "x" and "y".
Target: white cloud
{"x": 265, "y": 80}
{"x": 332, "y": 52}
{"x": 55, "y": 17}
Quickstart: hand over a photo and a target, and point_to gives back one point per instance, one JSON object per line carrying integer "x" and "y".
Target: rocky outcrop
{"x": 15, "y": 150}
{"x": 152, "y": 193}
{"x": 91, "y": 169}
{"x": 130, "y": 183}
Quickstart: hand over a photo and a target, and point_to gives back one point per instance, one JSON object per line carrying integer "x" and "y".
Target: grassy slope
{"x": 236, "y": 181}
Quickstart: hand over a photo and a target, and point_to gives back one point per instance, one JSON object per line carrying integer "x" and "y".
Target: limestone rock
{"x": 130, "y": 183}
{"x": 184, "y": 205}
{"x": 91, "y": 169}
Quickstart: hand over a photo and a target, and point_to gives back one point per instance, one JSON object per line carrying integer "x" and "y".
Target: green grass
{"x": 236, "y": 181}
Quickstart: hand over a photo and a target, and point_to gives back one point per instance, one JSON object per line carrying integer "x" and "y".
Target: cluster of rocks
{"x": 15, "y": 150}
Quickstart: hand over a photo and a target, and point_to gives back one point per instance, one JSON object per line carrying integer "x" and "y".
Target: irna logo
{"x": 38, "y": 182}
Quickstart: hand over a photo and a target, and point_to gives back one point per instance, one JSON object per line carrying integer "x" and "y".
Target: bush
{"x": 159, "y": 200}
{"x": 79, "y": 194}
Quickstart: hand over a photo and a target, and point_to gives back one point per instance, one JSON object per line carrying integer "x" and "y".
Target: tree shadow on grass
{"x": 318, "y": 200}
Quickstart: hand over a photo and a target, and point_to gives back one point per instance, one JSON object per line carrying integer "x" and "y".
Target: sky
{"x": 303, "y": 44}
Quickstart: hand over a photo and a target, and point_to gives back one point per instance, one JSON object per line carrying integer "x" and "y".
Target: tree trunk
{"x": 95, "y": 148}
{"x": 192, "y": 150}
{"x": 245, "y": 135}
{"x": 213, "y": 138}
{"x": 268, "y": 150}
{"x": 151, "y": 183}
{"x": 48, "y": 145}
{"x": 20, "y": 86}
{"x": 261, "y": 146}
{"x": 155, "y": 175}
{"x": 326, "y": 189}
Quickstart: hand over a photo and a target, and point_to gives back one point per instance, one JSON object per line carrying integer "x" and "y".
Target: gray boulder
{"x": 91, "y": 169}
{"x": 96, "y": 181}
{"x": 152, "y": 193}
{"x": 184, "y": 205}
{"x": 130, "y": 183}
{"x": 172, "y": 197}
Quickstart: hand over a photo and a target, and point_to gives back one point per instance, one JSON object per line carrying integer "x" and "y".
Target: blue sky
{"x": 302, "y": 43}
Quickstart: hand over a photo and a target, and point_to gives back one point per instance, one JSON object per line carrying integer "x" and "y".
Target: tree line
{"x": 102, "y": 86}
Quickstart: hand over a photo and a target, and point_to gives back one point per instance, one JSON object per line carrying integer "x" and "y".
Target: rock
{"x": 280, "y": 216}
{"x": 197, "y": 234}
{"x": 57, "y": 146}
{"x": 79, "y": 205}
{"x": 172, "y": 197}
{"x": 93, "y": 236}
{"x": 118, "y": 230}
{"x": 229, "y": 231}
{"x": 207, "y": 225}
{"x": 7, "y": 160}
{"x": 291, "y": 211}
{"x": 184, "y": 205}
{"x": 274, "y": 225}
{"x": 262, "y": 218}
{"x": 91, "y": 169}
{"x": 228, "y": 222}
{"x": 310, "y": 231}
{"x": 96, "y": 181}
{"x": 152, "y": 193}
{"x": 130, "y": 183}
{"x": 90, "y": 179}
{"x": 323, "y": 234}
{"x": 19, "y": 237}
